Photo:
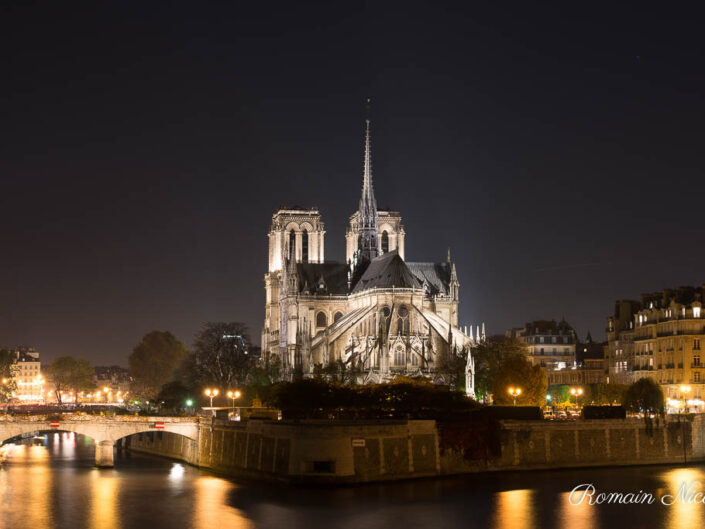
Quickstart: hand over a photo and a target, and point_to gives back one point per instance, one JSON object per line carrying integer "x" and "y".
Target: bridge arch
{"x": 104, "y": 432}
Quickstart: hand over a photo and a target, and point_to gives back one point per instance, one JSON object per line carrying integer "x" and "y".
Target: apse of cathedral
{"x": 377, "y": 313}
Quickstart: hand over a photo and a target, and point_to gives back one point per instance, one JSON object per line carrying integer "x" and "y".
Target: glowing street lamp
{"x": 577, "y": 392}
{"x": 685, "y": 390}
{"x": 233, "y": 395}
{"x": 212, "y": 393}
{"x": 515, "y": 392}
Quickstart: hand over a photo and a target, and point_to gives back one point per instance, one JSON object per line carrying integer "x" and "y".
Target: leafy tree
{"x": 67, "y": 373}
{"x": 8, "y": 384}
{"x": 517, "y": 371}
{"x": 153, "y": 362}
{"x": 174, "y": 395}
{"x": 452, "y": 365}
{"x": 220, "y": 355}
{"x": 489, "y": 357}
{"x": 646, "y": 396}
{"x": 265, "y": 372}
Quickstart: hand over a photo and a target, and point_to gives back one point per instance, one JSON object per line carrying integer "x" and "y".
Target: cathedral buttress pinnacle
{"x": 367, "y": 242}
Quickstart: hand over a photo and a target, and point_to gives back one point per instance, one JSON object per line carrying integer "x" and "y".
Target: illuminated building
{"x": 550, "y": 344}
{"x": 28, "y": 375}
{"x": 375, "y": 312}
{"x": 661, "y": 336}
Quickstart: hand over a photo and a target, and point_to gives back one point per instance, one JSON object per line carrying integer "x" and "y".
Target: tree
{"x": 516, "y": 371}
{"x": 8, "y": 384}
{"x": 645, "y": 396}
{"x": 452, "y": 364}
{"x": 489, "y": 356}
{"x": 154, "y": 360}
{"x": 220, "y": 355}
{"x": 70, "y": 374}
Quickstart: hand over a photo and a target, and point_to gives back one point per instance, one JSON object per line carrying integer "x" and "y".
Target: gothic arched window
{"x": 384, "y": 319}
{"x": 399, "y": 356}
{"x": 292, "y": 245}
{"x": 321, "y": 320}
{"x": 385, "y": 242}
{"x": 304, "y": 247}
{"x": 403, "y": 320}
{"x": 337, "y": 316}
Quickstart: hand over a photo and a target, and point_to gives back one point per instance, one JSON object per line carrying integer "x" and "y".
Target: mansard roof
{"x": 387, "y": 271}
{"x": 435, "y": 275}
{"x": 333, "y": 274}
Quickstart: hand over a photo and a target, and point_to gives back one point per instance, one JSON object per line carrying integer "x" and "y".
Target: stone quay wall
{"x": 367, "y": 451}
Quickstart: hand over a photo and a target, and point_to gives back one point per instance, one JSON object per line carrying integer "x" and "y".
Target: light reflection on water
{"x": 55, "y": 486}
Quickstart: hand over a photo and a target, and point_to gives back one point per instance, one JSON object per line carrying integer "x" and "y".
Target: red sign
{"x": 159, "y": 425}
{"x": 54, "y": 424}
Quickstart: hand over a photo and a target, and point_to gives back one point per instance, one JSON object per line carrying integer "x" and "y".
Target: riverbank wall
{"x": 366, "y": 451}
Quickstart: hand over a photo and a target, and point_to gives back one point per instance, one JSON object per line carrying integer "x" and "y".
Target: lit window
{"x": 696, "y": 312}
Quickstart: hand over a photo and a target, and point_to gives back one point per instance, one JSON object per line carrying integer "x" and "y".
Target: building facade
{"x": 661, "y": 336}
{"x": 28, "y": 376}
{"x": 376, "y": 313}
{"x": 550, "y": 344}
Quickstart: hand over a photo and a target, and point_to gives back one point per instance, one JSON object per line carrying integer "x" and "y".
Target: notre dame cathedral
{"x": 377, "y": 313}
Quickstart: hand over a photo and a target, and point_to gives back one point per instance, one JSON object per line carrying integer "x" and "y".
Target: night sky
{"x": 144, "y": 147}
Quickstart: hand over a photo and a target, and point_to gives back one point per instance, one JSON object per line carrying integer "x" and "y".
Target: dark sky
{"x": 144, "y": 147}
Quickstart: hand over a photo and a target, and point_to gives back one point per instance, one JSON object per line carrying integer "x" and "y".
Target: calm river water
{"x": 54, "y": 485}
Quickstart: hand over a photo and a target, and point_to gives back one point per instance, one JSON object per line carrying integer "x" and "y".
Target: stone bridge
{"x": 104, "y": 431}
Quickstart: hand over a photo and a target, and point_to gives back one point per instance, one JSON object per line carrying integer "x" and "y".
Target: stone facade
{"x": 349, "y": 452}
{"x": 377, "y": 314}
{"x": 550, "y": 344}
{"x": 661, "y": 336}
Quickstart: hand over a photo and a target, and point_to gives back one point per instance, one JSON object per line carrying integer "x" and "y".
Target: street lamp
{"x": 576, "y": 392}
{"x": 233, "y": 395}
{"x": 515, "y": 392}
{"x": 212, "y": 393}
{"x": 685, "y": 390}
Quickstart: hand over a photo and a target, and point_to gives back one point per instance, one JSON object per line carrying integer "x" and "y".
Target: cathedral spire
{"x": 367, "y": 241}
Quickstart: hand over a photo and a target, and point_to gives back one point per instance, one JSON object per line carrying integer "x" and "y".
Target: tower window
{"x": 292, "y": 245}
{"x": 304, "y": 247}
{"x": 321, "y": 320}
{"x": 385, "y": 242}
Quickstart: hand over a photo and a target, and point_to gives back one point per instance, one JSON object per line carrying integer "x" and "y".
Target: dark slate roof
{"x": 436, "y": 276}
{"x": 335, "y": 278}
{"x": 387, "y": 271}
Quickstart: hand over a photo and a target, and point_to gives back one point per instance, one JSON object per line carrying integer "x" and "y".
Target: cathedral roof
{"x": 435, "y": 275}
{"x": 387, "y": 271}
{"x": 323, "y": 278}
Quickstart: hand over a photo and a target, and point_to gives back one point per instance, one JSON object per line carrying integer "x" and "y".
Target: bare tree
{"x": 220, "y": 354}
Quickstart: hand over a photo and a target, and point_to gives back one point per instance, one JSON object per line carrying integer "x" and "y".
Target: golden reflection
{"x": 104, "y": 514}
{"x": 31, "y": 487}
{"x": 515, "y": 509}
{"x": 576, "y": 516}
{"x": 211, "y": 508}
{"x": 682, "y": 486}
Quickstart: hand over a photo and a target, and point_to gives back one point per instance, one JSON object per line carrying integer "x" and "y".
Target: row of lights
{"x": 214, "y": 392}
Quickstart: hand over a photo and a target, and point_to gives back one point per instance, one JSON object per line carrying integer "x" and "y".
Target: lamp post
{"x": 515, "y": 392}
{"x": 212, "y": 393}
{"x": 234, "y": 395}
{"x": 685, "y": 390}
{"x": 576, "y": 392}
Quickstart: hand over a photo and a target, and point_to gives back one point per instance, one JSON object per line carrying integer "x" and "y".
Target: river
{"x": 51, "y": 483}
